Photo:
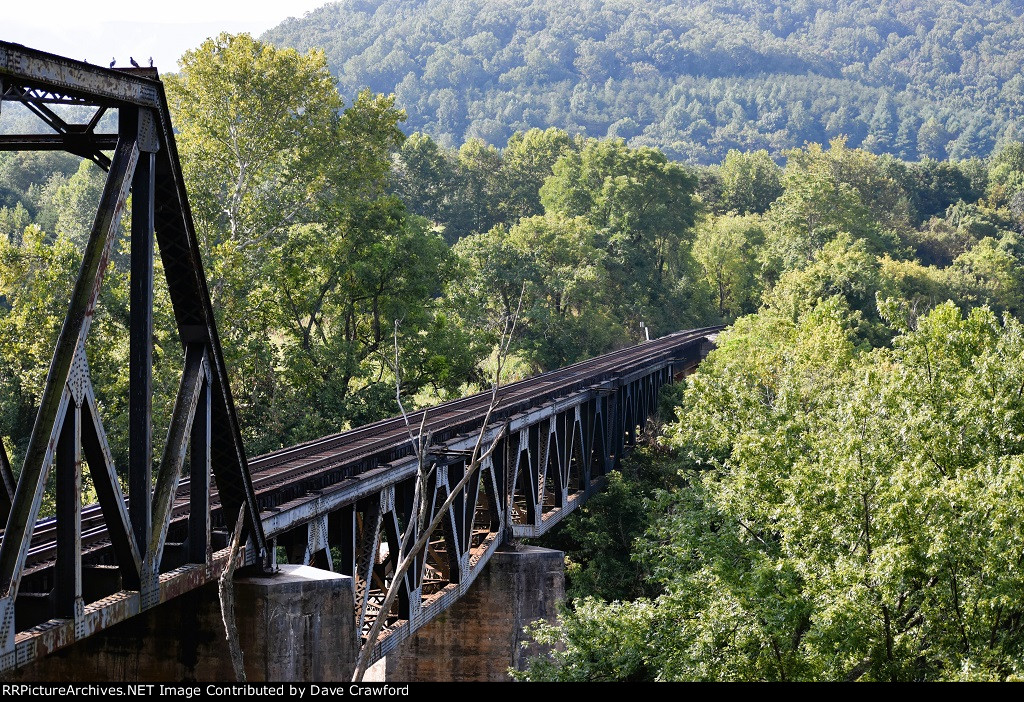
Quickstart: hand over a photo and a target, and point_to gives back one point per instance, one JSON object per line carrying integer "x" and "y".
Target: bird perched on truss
{"x": 134, "y": 62}
{"x": 150, "y": 61}
{"x": 113, "y": 62}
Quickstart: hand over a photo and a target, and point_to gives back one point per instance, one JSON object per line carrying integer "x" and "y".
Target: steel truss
{"x": 61, "y": 579}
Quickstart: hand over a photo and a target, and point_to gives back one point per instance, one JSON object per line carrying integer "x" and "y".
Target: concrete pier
{"x": 295, "y": 625}
{"x": 480, "y": 637}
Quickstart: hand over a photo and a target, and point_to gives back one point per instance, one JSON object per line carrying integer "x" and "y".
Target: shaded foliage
{"x": 848, "y": 513}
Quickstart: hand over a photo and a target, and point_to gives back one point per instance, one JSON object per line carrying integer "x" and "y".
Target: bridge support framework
{"x": 298, "y": 625}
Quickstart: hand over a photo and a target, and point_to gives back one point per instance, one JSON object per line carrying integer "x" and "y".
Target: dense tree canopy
{"x": 311, "y": 259}
{"x": 841, "y": 513}
{"x": 836, "y": 497}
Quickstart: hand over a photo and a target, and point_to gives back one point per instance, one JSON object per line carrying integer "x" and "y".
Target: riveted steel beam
{"x": 78, "y": 79}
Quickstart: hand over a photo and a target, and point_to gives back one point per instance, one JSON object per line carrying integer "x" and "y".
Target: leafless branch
{"x": 418, "y": 523}
{"x": 226, "y": 590}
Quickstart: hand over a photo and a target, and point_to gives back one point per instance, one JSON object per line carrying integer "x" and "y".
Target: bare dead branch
{"x": 406, "y": 560}
{"x": 420, "y": 512}
{"x": 226, "y": 589}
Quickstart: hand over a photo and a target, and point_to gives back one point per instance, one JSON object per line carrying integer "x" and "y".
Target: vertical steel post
{"x": 343, "y": 523}
{"x": 68, "y": 464}
{"x": 199, "y": 481}
{"x": 140, "y": 363}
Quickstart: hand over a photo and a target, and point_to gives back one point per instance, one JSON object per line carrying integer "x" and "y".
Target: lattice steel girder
{"x": 373, "y": 481}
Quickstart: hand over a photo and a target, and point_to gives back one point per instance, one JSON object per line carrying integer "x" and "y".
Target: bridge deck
{"x": 291, "y": 479}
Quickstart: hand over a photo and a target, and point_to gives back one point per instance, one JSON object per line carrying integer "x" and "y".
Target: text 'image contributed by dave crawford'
{"x": 289, "y": 690}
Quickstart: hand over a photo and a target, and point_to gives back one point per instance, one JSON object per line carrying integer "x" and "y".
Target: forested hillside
{"x": 921, "y": 78}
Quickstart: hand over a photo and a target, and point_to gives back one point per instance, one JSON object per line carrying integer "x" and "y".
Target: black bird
{"x": 150, "y": 61}
{"x": 134, "y": 62}
{"x": 113, "y": 62}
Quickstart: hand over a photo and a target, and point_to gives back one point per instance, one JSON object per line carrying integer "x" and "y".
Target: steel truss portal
{"x": 59, "y": 582}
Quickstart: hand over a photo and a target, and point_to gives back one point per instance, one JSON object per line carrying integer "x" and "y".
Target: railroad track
{"x": 313, "y": 466}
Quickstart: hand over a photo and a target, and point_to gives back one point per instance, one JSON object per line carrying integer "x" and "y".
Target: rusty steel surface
{"x": 58, "y": 79}
{"x": 341, "y": 502}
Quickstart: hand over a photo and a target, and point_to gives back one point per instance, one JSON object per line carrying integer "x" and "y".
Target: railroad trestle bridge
{"x": 340, "y": 503}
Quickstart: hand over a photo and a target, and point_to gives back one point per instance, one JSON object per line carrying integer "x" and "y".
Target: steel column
{"x": 68, "y": 583}
{"x": 140, "y": 359}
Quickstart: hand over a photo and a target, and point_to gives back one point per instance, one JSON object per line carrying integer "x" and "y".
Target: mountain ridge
{"x": 937, "y": 78}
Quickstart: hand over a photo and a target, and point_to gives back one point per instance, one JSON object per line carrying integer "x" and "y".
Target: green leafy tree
{"x": 428, "y": 180}
{"x": 813, "y": 208}
{"x": 726, "y": 248}
{"x": 644, "y": 209}
{"x": 843, "y": 268}
{"x": 255, "y": 126}
{"x": 74, "y": 203}
{"x": 932, "y": 138}
{"x": 990, "y": 273}
{"x": 826, "y": 192}
{"x": 565, "y": 315}
{"x": 935, "y": 185}
{"x": 526, "y": 163}
{"x": 35, "y": 282}
{"x": 1006, "y": 172}
{"x": 310, "y": 259}
{"x": 13, "y": 221}
{"x": 485, "y": 184}
{"x": 751, "y": 181}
